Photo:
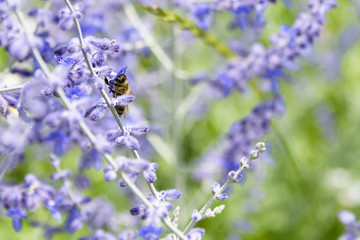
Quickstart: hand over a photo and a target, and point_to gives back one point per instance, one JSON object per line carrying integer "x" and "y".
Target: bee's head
{"x": 120, "y": 76}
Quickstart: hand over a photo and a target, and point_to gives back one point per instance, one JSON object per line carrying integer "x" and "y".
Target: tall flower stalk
{"x": 59, "y": 108}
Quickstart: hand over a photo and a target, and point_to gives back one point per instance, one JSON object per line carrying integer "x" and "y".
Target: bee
{"x": 119, "y": 86}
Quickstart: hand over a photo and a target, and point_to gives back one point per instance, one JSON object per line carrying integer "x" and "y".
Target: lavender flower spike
{"x": 122, "y": 100}
{"x": 218, "y": 191}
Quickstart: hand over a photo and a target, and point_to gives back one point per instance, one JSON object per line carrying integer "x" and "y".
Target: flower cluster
{"x": 27, "y": 197}
{"x": 126, "y": 137}
{"x": 287, "y": 45}
{"x": 63, "y": 105}
{"x": 227, "y": 154}
{"x": 352, "y": 226}
{"x": 249, "y": 12}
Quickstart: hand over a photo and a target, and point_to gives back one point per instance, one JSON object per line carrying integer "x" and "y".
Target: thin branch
{"x": 11, "y": 88}
{"x": 83, "y": 126}
{"x": 148, "y": 38}
{"x": 152, "y": 188}
{"x": 102, "y": 91}
{"x": 244, "y": 165}
{"x": 207, "y": 37}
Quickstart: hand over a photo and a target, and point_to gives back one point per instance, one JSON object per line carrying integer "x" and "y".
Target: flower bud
{"x": 219, "y": 209}
{"x": 247, "y": 166}
{"x": 196, "y": 216}
{"x": 254, "y": 154}
{"x": 232, "y": 176}
{"x": 221, "y": 197}
{"x": 215, "y": 187}
{"x": 243, "y": 161}
{"x": 260, "y": 146}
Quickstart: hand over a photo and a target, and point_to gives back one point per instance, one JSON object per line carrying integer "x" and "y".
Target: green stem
{"x": 220, "y": 191}
{"x": 85, "y": 129}
{"x": 211, "y": 39}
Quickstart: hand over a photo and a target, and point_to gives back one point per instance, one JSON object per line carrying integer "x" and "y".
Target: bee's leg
{"x": 106, "y": 81}
{"x": 113, "y": 92}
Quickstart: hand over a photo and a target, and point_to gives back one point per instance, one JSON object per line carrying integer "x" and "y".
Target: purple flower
{"x": 109, "y": 174}
{"x": 43, "y": 17}
{"x": 129, "y": 141}
{"x": 131, "y": 175}
{"x": 170, "y": 195}
{"x": 102, "y": 145}
{"x": 127, "y": 234}
{"x": 67, "y": 61}
{"x": 346, "y": 217}
{"x": 53, "y": 208}
{"x": 3, "y": 105}
{"x": 133, "y": 165}
{"x": 119, "y": 137}
{"x": 97, "y": 112}
{"x": 30, "y": 201}
{"x": 100, "y": 213}
{"x": 122, "y": 100}
{"x": 135, "y": 211}
{"x": 32, "y": 100}
{"x": 240, "y": 138}
{"x": 82, "y": 182}
{"x": 215, "y": 187}
{"x": 196, "y": 234}
{"x": 99, "y": 235}
{"x": 319, "y": 8}
{"x": 91, "y": 159}
{"x": 66, "y": 18}
{"x": 150, "y": 232}
{"x": 11, "y": 197}
{"x": 14, "y": 138}
{"x": 349, "y": 220}
{"x": 226, "y": 83}
{"x": 75, "y": 93}
{"x": 104, "y": 44}
{"x": 221, "y": 197}
{"x": 232, "y": 177}
{"x": 74, "y": 221}
{"x": 45, "y": 192}
{"x": 19, "y": 48}
{"x": 16, "y": 215}
{"x": 196, "y": 216}
{"x": 61, "y": 175}
{"x": 149, "y": 173}
{"x": 202, "y": 14}
{"x": 59, "y": 140}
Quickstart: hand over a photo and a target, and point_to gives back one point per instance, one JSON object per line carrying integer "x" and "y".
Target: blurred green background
{"x": 315, "y": 147}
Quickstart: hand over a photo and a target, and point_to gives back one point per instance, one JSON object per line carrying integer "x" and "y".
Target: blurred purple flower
{"x": 16, "y": 215}
{"x": 196, "y": 216}
{"x": 119, "y": 137}
{"x": 150, "y": 232}
{"x": 196, "y": 234}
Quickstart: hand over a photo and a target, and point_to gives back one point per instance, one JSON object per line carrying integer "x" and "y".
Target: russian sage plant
{"x": 54, "y": 101}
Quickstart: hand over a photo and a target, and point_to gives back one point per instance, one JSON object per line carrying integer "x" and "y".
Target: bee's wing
{"x": 126, "y": 112}
{"x": 131, "y": 93}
